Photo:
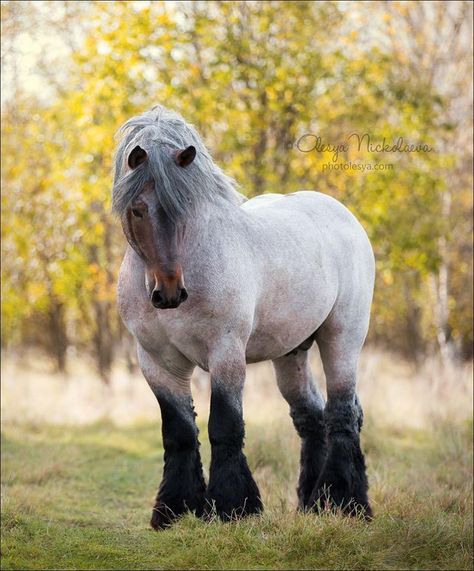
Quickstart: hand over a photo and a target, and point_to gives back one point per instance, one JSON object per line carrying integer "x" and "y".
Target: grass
{"x": 81, "y": 498}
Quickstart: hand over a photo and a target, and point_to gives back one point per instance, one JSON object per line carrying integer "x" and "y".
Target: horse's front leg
{"x": 232, "y": 491}
{"x": 182, "y": 487}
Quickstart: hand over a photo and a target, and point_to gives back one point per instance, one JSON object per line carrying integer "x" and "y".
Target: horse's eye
{"x": 137, "y": 213}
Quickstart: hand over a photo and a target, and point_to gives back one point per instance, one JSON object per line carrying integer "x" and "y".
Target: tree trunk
{"x": 103, "y": 340}
{"x": 259, "y": 150}
{"x": 104, "y": 337}
{"x": 440, "y": 288}
{"x": 413, "y": 339}
{"x": 59, "y": 341}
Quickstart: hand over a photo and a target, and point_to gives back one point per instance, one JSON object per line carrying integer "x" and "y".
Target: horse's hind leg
{"x": 306, "y": 409}
{"x": 343, "y": 480}
{"x": 182, "y": 487}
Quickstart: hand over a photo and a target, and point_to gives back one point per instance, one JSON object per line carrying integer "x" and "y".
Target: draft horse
{"x": 214, "y": 280}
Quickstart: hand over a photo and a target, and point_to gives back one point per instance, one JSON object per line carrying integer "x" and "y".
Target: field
{"x": 78, "y": 485}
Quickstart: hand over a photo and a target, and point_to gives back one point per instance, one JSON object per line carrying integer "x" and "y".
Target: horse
{"x": 213, "y": 280}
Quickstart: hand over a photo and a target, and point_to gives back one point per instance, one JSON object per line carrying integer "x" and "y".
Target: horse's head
{"x": 164, "y": 176}
{"x": 155, "y": 236}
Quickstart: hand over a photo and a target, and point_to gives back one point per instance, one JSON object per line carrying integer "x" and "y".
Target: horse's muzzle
{"x": 162, "y": 301}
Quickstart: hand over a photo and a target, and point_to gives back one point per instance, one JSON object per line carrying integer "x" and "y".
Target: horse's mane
{"x": 179, "y": 189}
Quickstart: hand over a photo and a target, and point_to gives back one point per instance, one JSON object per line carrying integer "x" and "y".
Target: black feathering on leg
{"x": 232, "y": 491}
{"x": 309, "y": 423}
{"x": 343, "y": 480}
{"x": 182, "y": 488}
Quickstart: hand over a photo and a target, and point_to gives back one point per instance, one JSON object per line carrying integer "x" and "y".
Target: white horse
{"x": 216, "y": 281}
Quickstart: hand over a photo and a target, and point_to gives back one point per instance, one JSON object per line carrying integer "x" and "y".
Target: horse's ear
{"x": 186, "y": 156}
{"x": 136, "y": 157}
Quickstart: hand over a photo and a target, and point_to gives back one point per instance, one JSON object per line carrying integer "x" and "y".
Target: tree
{"x": 253, "y": 77}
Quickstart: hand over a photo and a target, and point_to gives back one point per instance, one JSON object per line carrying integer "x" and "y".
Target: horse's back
{"x": 317, "y": 215}
{"x": 318, "y": 205}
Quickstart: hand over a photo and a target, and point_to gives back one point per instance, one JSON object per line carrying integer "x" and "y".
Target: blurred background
{"x": 253, "y": 77}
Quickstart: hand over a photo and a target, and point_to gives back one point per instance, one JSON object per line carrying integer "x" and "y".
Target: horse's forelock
{"x": 160, "y": 132}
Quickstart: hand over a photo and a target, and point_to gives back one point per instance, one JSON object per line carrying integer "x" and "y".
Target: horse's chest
{"x": 139, "y": 319}
{"x": 158, "y": 332}
{"x": 137, "y": 313}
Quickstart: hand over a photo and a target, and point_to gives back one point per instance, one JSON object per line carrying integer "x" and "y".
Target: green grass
{"x": 81, "y": 498}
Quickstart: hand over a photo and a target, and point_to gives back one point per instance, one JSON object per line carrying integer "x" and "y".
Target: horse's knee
{"x": 179, "y": 430}
{"x": 227, "y": 368}
{"x": 226, "y": 424}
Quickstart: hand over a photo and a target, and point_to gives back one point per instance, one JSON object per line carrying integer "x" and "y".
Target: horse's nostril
{"x": 156, "y": 297}
{"x": 162, "y": 302}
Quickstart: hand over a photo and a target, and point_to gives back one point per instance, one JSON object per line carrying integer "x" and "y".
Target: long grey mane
{"x": 160, "y": 132}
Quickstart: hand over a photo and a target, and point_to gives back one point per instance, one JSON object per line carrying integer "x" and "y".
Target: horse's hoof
{"x": 228, "y": 510}
{"x": 323, "y": 500}
{"x": 162, "y": 517}
{"x": 367, "y": 513}
{"x": 232, "y": 492}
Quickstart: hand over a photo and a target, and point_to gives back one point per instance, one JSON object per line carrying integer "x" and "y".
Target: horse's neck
{"x": 205, "y": 229}
{"x": 230, "y": 195}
